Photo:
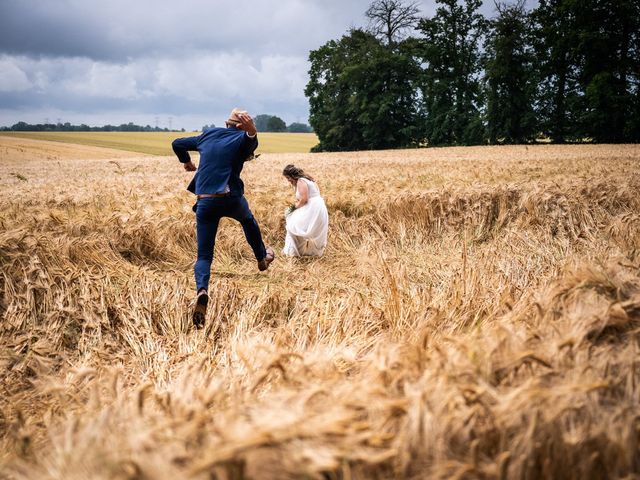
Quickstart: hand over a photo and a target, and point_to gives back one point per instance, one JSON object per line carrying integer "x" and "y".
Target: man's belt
{"x": 212, "y": 195}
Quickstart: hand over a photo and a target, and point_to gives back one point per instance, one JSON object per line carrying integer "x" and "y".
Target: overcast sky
{"x": 180, "y": 64}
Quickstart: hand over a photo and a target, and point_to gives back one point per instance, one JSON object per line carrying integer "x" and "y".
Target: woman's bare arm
{"x": 303, "y": 190}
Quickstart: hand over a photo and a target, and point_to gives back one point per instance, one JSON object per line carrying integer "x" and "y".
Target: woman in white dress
{"x": 308, "y": 223}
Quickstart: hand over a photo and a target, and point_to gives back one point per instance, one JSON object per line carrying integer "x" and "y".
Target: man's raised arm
{"x": 251, "y": 141}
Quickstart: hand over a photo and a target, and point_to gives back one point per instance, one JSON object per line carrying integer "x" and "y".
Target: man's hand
{"x": 189, "y": 166}
{"x": 246, "y": 124}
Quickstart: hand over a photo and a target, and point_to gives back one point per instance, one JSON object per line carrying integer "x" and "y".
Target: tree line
{"x": 264, "y": 123}
{"x": 564, "y": 71}
{"x": 68, "y": 127}
{"x": 273, "y": 123}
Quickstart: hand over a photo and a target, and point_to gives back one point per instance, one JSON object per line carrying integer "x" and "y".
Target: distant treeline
{"x": 67, "y": 127}
{"x": 273, "y": 123}
{"x": 264, "y": 123}
{"x": 565, "y": 71}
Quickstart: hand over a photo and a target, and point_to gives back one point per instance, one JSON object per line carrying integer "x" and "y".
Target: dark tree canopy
{"x": 558, "y": 96}
{"x": 589, "y": 68}
{"x": 567, "y": 70}
{"x": 451, "y": 92}
{"x": 510, "y": 80}
{"x": 362, "y": 95}
{"x": 609, "y": 68}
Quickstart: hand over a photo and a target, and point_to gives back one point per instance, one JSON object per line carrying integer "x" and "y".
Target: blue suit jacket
{"x": 223, "y": 152}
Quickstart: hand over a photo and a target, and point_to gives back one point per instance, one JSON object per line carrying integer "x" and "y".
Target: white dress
{"x": 307, "y": 226}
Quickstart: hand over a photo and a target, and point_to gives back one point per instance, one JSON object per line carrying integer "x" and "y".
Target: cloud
{"x": 204, "y": 76}
{"x": 12, "y": 78}
{"x": 201, "y": 83}
{"x": 116, "y": 30}
{"x": 105, "y": 80}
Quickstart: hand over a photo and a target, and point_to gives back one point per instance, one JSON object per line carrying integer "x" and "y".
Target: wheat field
{"x": 159, "y": 143}
{"x": 476, "y": 315}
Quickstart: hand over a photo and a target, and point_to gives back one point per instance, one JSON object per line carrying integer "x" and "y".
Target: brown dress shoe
{"x": 264, "y": 263}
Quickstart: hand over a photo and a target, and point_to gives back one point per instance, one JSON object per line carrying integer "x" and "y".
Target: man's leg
{"x": 242, "y": 214}
{"x": 207, "y": 219}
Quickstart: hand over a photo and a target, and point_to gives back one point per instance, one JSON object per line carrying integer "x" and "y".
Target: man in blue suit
{"x": 220, "y": 193}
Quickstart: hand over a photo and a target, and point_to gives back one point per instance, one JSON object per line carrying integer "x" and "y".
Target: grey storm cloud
{"x": 114, "y": 61}
{"x": 117, "y": 30}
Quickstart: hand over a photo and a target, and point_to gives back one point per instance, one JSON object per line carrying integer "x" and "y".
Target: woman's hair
{"x": 294, "y": 172}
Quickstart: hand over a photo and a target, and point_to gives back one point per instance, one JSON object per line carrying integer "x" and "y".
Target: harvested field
{"x": 476, "y": 315}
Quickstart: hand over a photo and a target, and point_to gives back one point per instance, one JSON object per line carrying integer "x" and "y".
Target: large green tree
{"x": 570, "y": 70}
{"x": 555, "y": 41}
{"x": 362, "y": 93}
{"x": 589, "y": 69}
{"x": 451, "y": 89}
{"x": 607, "y": 52}
{"x": 510, "y": 76}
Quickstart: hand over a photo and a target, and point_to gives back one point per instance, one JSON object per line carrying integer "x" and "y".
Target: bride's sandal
{"x": 264, "y": 263}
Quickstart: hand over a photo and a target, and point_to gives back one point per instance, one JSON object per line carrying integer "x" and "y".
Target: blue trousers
{"x": 209, "y": 211}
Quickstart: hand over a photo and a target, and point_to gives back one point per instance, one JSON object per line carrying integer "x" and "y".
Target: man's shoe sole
{"x": 200, "y": 311}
